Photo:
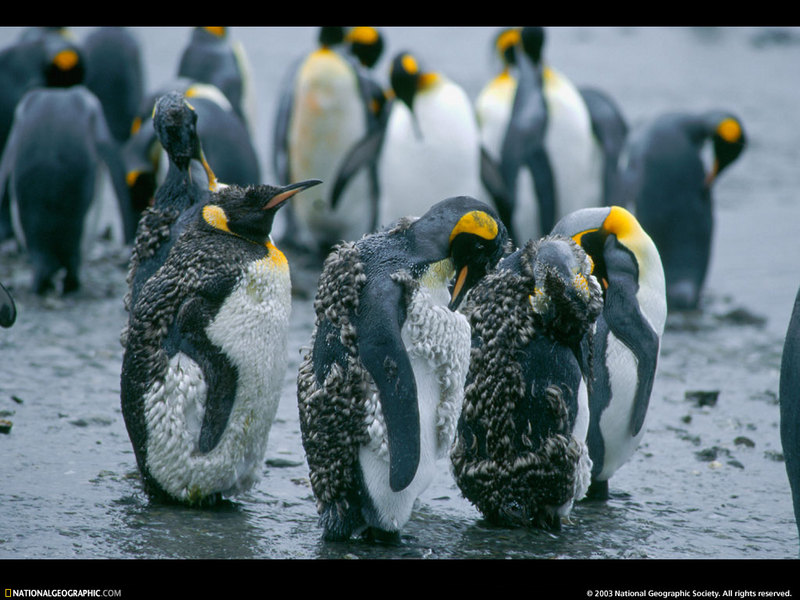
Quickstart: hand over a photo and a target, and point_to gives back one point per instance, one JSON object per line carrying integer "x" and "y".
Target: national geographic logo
{"x": 65, "y": 593}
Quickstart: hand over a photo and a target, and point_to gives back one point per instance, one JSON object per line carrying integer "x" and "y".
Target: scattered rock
{"x": 736, "y": 463}
{"x": 280, "y": 463}
{"x": 703, "y": 398}
{"x": 5, "y": 426}
{"x": 17, "y": 399}
{"x": 711, "y": 454}
{"x": 744, "y": 441}
{"x": 774, "y": 455}
{"x": 742, "y": 316}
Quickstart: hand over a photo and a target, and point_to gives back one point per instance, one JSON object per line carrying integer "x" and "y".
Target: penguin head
{"x": 532, "y": 42}
{"x": 175, "y": 123}
{"x": 729, "y": 140}
{"x": 505, "y": 42}
{"x": 248, "y": 212}
{"x": 366, "y": 44}
{"x": 215, "y": 32}
{"x": 476, "y": 240}
{"x": 65, "y": 65}
{"x": 330, "y": 36}
{"x": 407, "y": 77}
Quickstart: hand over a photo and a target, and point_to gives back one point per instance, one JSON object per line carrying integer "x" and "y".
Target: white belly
{"x": 252, "y": 329}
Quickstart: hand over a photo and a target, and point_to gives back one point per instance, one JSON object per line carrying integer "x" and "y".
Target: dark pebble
{"x": 744, "y": 441}
{"x": 5, "y": 426}
{"x": 703, "y": 398}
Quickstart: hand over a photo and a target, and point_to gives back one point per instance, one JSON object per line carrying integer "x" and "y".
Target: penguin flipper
{"x": 492, "y": 178}
{"x": 8, "y": 309}
{"x": 383, "y": 354}
{"x": 363, "y": 154}
{"x": 280, "y": 137}
{"x": 541, "y": 170}
{"x": 626, "y": 321}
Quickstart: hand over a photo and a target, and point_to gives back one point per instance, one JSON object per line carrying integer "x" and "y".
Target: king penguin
{"x": 188, "y": 182}
{"x": 206, "y": 353}
{"x": 57, "y": 150}
{"x": 789, "y": 394}
{"x": 326, "y": 106}
{"x": 380, "y": 391}
{"x": 667, "y": 171}
{"x": 8, "y": 308}
{"x": 625, "y": 346}
{"x": 520, "y": 454}
{"x": 550, "y": 160}
{"x": 211, "y": 56}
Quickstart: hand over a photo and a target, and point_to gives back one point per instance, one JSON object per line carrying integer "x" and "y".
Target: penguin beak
{"x": 458, "y": 290}
{"x": 289, "y": 191}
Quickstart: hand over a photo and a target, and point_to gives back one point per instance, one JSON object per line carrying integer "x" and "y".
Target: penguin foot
{"x": 597, "y": 492}
{"x": 381, "y": 536}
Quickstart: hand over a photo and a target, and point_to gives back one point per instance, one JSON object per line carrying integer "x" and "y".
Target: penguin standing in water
{"x": 789, "y": 394}
{"x": 550, "y": 160}
{"x": 115, "y": 74}
{"x": 211, "y": 57}
{"x": 206, "y": 353}
{"x": 187, "y": 185}
{"x": 666, "y": 180}
{"x": 520, "y": 454}
{"x": 627, "y": 339}
{"x": 327, "y": 105}
{"x": 52, "y": 163}
{"x": 380, "y": 391}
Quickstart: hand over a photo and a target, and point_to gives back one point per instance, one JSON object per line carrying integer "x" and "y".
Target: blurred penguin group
{"x": 494, "y": 273}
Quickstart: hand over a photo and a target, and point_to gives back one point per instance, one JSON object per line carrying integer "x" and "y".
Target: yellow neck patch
{"x": 66, "y": 59}
{"x": 621, "y": 223}
{"x": 477, "y": 222}
{"x": 276, "y": 257}
{"x": 730, "y": 130}
{"x": 410, "y": 65}
{"x": 217, "y": 31}
{"x": 363, "y": 35}
{"x": 507, "y": 39}
{"x": 215, "y": 216}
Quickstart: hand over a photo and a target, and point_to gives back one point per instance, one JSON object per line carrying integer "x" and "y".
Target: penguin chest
{"x": 251, "y": 330}
{"x": 493, "y": 110}
{"x": 437, "y": 341}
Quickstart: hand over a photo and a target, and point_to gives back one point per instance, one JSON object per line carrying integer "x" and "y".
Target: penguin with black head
{"x": 381, "y": 388}
{"x": 520, "y": 454}
{"x": 206, "y": 351}
{"x": 625, "y": 347}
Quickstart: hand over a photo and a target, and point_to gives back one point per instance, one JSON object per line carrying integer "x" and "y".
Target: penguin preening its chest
{"x": 667, "y": 181}
{"x": 380, "y": 390}
{"x": 520, "y": 455}
{"x": 206, "y": 350}
{"x": 327, "y": 105}
{"x": 626, "y": 342}
{"x": 58, "y": 148}
{"x": 790, "y": 405}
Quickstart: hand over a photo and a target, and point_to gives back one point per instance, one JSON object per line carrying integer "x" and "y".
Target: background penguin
{"x": 115, "y": 74}
{"x": 52, "y": 163}
{"x": 380, "y": 391}
{"x": 206, "y": 353}
{"x": 550, "y": 161}
{"x": 211, "y": 57}
{"x": 520, "y": 455}
{"x": 42, "y": 57}
{"x": 789, "y": 394}
{"x": 666, "y": 182}
{"x": 226, "y": 143}
{"x": 326, "y": 106}
{"x": 8, "y": 308}
{"x": 626, "y": 343}
{"x": 177, "y": 200}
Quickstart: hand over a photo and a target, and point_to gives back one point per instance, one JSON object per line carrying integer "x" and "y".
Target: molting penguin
{"x": 325, "y": 108}
{"x": 52, "y": 163}
{"x": 790, "y": 405}
{"x": 8, "y": 308}
{"x": 380, "y": 391}
{"x": 211, "y": 57}
{"x": 177, "y": 199}
{"x": 206, "y": 352}
{"x": 520, "y": 455}
{"x": 115, "y": 74}
{"x": 550, "y": 160}
{"x": 666, "y": 183}
{"x": 626, "y": 343}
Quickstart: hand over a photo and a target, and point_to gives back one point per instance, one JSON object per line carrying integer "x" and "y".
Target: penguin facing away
{"x": 789, "y": 394}
{"x": 520, "y": 454}
{"x": 381, "y": 388}
{"x": 206, "y": 352}
{"x": 58, "y": 148}
{"x": 625, "y": 346}
{"x": 327, "y": 104}
{"x": 668, "y": 184}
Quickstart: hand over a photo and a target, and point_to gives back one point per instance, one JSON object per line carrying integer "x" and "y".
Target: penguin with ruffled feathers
{"x": 789, "y": 396}
{"x": 8, "y": 308}
{"x": 206, "y": 353}
{"x": 326, "y": 105}
{"x": 380, "y": 390}
{"x": 627, "y": 339}
{"x": 58, "y": 148}
{"x": 115, "y": 74}
{"x": 179, "y": 197}
{"x": 667, "y": 181}
{"x": 520, "y": 454}
{"x": 212, "y": 57}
